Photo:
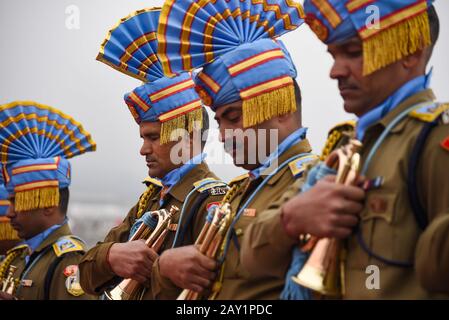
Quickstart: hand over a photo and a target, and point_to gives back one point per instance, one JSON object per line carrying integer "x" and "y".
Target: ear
{"x": 413, "y": 60}
{"x": 49, "y": 211}
{"x": 283, "y": 118}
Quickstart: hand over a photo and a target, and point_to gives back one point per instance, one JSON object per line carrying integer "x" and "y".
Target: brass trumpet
{"x": 324, "y": 270}
{"x": 128, "y": 289}
{"x": 211, "y": 239}
{"x": 9, "y": 285}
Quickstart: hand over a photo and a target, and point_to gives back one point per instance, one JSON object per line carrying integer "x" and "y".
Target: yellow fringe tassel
{"x": 269, "y": 105}
{"x": 396, "y": 43}
{"x": 37, "y": 199}
{"x": 189, "y": 121}
{"x": 7, "y": 232}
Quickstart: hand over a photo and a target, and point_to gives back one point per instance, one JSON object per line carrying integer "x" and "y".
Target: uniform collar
{"x": 180, "y": 190}
{"x": 267, "y": 167}
{"x": 60, "y": 231}
{"x": 294, "y": 150}
{"x": 34, "y": 242}
{"x": 390, "y": 105}
{"x": 176, "y": 175}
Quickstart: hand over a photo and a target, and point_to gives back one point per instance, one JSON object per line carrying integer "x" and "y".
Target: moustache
{"x": 344, "y": 84}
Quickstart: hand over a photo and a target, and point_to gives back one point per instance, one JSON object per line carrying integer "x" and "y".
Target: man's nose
{"x": 11, "y": 213}
{"x": 145, "y": 149}
{"x": 339, "y": 70}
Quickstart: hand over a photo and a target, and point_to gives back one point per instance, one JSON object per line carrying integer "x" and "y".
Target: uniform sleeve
{"x": 163, "y": 288}
{"x": 59, "y": 284}
{"x": 266, "y": 237}
{"x": 432, "y": 253}
{"x": 96, "y": 274}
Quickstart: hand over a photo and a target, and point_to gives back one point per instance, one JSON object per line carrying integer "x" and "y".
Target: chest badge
{"x": 445, "y": 144}
{"x": 249, "y": 212}
{"x": 72, "y": 282}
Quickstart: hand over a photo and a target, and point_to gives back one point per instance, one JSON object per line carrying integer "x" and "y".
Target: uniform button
{"x": 239, "y": 231}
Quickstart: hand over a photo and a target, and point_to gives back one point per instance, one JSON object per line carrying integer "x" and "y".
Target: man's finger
{"x": 350, "y": 207}
{"x": 352, "y": 193}
{"x": 151, "y": 254}
{"x": 207, "y": 263}
{"x": 200, "y": 281}
{"x": 139, "y": 277}
{"x": 341, "y": 233}
{"x": 347, "y": 221}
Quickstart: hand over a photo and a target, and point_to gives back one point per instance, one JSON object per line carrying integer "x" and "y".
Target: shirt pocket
{"x": 376, "y": 230}
{"x": 233, "y": 267}
{"x": 389, "y": 228}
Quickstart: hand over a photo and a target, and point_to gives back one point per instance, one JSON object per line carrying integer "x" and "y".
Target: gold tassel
{"x": 268, "y": 105}
{"x": 37, "y": 199}
{"x": 395, "y": 43}
{"x": 7, "y": 232}
{"x": 189, "y": 121}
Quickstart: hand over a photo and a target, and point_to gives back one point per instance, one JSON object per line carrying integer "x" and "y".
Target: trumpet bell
{"x": 321, "y": 272}
{"x": 126, "y": 290}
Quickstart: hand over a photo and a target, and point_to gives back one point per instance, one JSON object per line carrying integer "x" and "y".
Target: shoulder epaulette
{"x": 343, "y": 126}
{"x": 68, "y": 244}
{"x": 298, "y": 166}
{"x": 239, "y": 178}
{"x": 211, "y": 184}
{"x": 430, "y": 112}
{"x": 336, "y": 134}
{"x": 21, "y": 247}
{"x": 154, "y": 181}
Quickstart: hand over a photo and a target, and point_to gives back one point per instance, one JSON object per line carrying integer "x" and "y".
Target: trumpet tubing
{"x": 128, "y": 288}
{"x": 210, "y": 240}
{"x": 323, "y": 272}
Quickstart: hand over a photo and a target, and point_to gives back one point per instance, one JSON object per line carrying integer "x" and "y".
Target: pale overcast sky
{"x": 44, "y": 61}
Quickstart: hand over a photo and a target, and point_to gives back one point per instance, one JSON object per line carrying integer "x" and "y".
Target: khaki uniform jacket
{"x": 388, "y": 225}
{"x": 257, "y": 270}
{"x": 96, "y": 274}
{"x": 64, "y": 283}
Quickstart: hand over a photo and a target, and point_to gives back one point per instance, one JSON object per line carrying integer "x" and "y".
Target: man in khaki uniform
{"x": 398, "y": 249}
{"x": 160, "y": 106}
{"x": 251, "y": 88}
{"x": 37, "y": 175}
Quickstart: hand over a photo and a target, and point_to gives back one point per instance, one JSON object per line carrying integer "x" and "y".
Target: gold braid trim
{"x": 333, "y": 139}
{"x": 10, "y": 257}
{"x": 216, "y": 288}
{"x": 231, "y": 192}
{"x": 144, "y": 199}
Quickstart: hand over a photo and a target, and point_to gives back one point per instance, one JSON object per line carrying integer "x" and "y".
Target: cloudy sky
{"x": 42, "y": 60}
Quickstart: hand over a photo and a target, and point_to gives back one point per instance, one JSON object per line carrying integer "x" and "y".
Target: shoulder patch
{"x": 68, "y": 244}
{"x": 214, "y": 186}
{"x": 218, "y": 190}
{"x": 150, "y": 180}
{"x": 239, "y": 178}
{"x": 429, "y": 113}
{"x": 298, "y": 166}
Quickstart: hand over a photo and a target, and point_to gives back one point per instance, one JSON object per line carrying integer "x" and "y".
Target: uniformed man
{"x": 248, "y": 81}
{"x": 36, "y": 142}
{"x": 8, "y": 236}
{"x": 398, "y": 249}
{"x": 160, "y": 107}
